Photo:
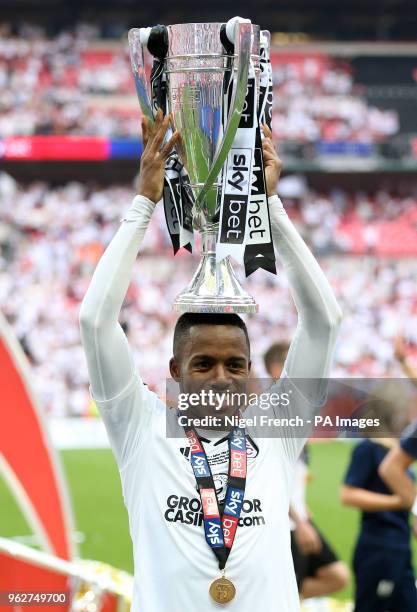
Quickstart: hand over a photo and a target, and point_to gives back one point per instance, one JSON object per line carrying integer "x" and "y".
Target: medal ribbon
{"x": 220, "y": 528}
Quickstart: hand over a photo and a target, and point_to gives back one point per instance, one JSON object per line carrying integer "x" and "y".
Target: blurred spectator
{"x": 316, "y": 99}
{"x": 69, "y": 84}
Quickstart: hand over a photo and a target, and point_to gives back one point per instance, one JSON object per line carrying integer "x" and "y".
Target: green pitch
{"x": 102, "y": 522}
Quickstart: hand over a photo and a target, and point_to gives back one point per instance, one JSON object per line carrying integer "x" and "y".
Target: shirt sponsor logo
{"x": 237, "y": 464}
{"x": 200, "y": 465}
{"x": 234, "y": 501}
{"x": 210, "y": 508}
{"x": 182, "y": 509}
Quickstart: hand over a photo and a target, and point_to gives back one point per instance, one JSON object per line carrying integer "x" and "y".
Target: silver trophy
{"x": 194, "y": 69}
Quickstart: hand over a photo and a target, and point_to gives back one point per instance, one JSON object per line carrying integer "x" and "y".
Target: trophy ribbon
{"x": 245, "y": 230}
{"x": 259, "y": 250}
{"x": 177, "y": 205}
{"x": 266, "y": 89}
{"x": 177, "y": 197}
{"x": 236, "y": 187}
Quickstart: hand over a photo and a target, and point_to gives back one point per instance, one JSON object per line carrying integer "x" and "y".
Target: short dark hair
{"x": 276, "y": 353}
{"x": 190, "y": 319}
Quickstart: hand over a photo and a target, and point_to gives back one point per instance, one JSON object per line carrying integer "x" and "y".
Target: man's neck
{"x": 213, "y": 433}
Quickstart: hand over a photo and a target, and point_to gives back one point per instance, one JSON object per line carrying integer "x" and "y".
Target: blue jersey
{"x": 409, "y": 440}
{"x": 389, "y": 527}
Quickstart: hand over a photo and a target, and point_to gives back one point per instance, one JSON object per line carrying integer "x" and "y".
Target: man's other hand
{"x": 273, "y": 164}
{"x": 152, "y": 163}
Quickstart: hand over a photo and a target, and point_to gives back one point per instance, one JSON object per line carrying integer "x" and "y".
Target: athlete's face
{"x": 214, "y": 357}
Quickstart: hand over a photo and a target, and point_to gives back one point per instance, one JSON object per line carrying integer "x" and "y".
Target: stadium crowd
{"x": 382, "y": 223}
{"x": 62, "y": 86}
{"x": 316, "y": 98}
{"x": 77, "y": 83}
{"x": 50, "y": 242}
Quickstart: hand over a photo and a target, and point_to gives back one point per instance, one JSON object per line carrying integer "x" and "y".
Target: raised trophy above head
{"x": 215, "y": 80}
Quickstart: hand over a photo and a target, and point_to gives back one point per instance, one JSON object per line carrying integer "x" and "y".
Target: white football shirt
{"x": 174, "y": 565}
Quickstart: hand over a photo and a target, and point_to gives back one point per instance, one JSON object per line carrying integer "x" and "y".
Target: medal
{"x": 220, "y": 527}
{"x": 222, "y": 590}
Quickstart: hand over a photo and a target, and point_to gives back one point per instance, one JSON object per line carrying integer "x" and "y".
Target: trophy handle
{"x": 138, "y": 67}
{"x": 243, "y": 46}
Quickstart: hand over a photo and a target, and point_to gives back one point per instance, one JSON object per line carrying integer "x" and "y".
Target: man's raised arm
{"x": 319, "y": 315}
{"x": 109, "y": 358}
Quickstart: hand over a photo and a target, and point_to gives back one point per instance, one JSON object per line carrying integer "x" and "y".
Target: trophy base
{"x": 214, "y": 289}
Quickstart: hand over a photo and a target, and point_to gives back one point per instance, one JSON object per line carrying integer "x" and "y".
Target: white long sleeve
{"x": 109, "y": 358}
{"x": 319, "y": 314}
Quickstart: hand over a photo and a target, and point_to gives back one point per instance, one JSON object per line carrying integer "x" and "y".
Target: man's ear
{"x": 174, "y": 369}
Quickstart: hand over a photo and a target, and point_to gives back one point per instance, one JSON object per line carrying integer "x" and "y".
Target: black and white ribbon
{"x": 177, "y": 205}
{"x": 245, "y": 231}
{"x": 259, "y": 250}
{"x": 266, "y": 90}
{"x": 177, "y": 196}
{"x": 236, "y": 180}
